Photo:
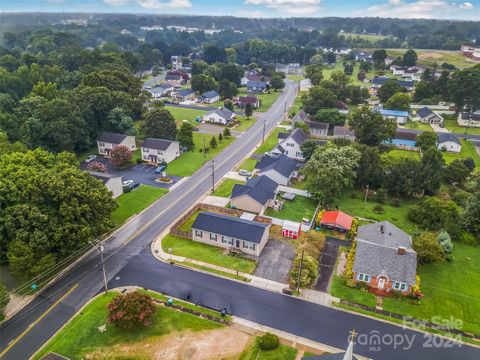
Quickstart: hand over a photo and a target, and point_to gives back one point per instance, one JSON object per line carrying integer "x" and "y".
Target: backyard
{"x": 447, "y": 287}
{"x": 226, "y": 187}
{"x": 417, "y": 125}
{"x": 402, "y": 154}
{"x": 452, "y": 125}
{"x": 435, "y": 57}
{"x": 135, "y": 201}
{"x": 181, "y": 114}
{"x": 295, "y": 210}
{"x": 206, "y": 253}
{"x": 468, "y": 150}
{"x": 191, "y": 161}
{"x": 327, "y": 73}
{"x": 266, "y": 99}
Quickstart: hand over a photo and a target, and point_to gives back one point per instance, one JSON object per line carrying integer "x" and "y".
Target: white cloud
{"x": 160, "y": 4}
{"x": 289, "y": 7}
{"x": 418, "y": 9}
{"x": 115, "y": 2}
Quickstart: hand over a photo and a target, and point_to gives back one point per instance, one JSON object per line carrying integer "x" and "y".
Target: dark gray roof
{"x": 342, "y": 131}
{"x": 185, "y": 92}
{"x": 281, "y": 164}
{"x": 223, "y": 112}
{"x": 475, "y": 116}
{"x": 424, "y": 112}
{"x": 173, "y": 77}
{"x": 250, "y": 99}
{"x": 407, "y": 134}
{"x": 260, "y": 188}
{"x": 380, "y": 80}
{"x": 301, "y": 116}
{"x": 258, "y": 84}
{"x": 318, "y": 125}
{"x": 282, "y": 135}
{"x": 299, "y": 136}
{"x": 102, "y": 176}
{"x": 230, "y": 226}
{"x": 444, "y": 137}
{"x": 210, "y": 94}
{"x": 158, "y": 144}
{"x": 112, "y": 138}
{"x": 377, "y": 253}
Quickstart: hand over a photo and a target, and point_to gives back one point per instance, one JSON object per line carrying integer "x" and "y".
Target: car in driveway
{"x": 245, "y": 173}
{"x": 130, "y": 184}
{"x": 160, "y": 168}
{"x": 90, "y": 158}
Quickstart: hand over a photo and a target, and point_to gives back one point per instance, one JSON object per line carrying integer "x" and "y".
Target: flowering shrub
{"x": 353, "y": 230}
{"x": 318, "y": 218}
{"x": 120, "y": 155}
{"x": 348, "y": 273}
{"x": 131, "y": 310}
{"x": 96, "y": 166}
{"x": 416, "y": 291}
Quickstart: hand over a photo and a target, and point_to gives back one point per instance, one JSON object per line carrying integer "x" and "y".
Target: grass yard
{"x": 452, "y": 125}
{"x": 438, "y": 57}
{"x": 447, "y": 287}
{"x": 135, "y": 201}
{"x": 283, "y": 352}
{"x": 266, "y": 99}
{"x": 248, "y": 164}
{"x": 468, "y": 150}
{"x": 245, "y": 123}
{"x": 206, "y": 253}
{"x": 417, "y": 125}
{"x": 187, "y": 225}
{"x": 226, "y": 187}
{"x": 327, "y": 73}
{"x": 81, "y": 336}
{"x": 191, "y": 161}
{"x": 295, "y": 210}
{"x": 270, "y": 141}
{"x": 405, "y": 154}
{"x": 181, "y": 114}
{"x": 363, "y": 36}
{"x": 355, "y": 206}
{"x": 296, "y": 106}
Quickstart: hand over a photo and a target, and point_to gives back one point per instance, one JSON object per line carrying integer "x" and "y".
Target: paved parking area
{"x": 275, "y": 261}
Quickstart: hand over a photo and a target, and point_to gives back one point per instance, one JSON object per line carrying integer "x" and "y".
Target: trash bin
{"x": 169, "y": 302}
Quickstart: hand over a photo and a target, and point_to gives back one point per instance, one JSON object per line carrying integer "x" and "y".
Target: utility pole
{"x": 366, "y": 194}
{"x": 204, "y": 152}
{"x": 263, "y": 136}
{"x": 100, "y": 251}
{"x": 300, "y": 270}
{"x": 213, "y": 176}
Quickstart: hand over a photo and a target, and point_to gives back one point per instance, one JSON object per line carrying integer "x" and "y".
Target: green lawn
{"x": 295, "y": 210}
{"x": 81, "y": 336}
{"x": 327, "y": 73}
{"x": 296, "y": 106}
{"x": 181, "y": 114}
{"x": 396, "y": 215}
{"x": 226, "y": 187}
{"x": 363, "y": 36}
{"x": 438, "y": 57}
{"x": 245, "y": 123}
{"x": 266, "y": 99}
{"x": 191, "y": 161}
{"x": 417, "y": 125}
{"x": 248, "y": 164}
{"x": 135, "y": 201}
{"x": 447, "y": 287}
{"x": 206, "y": 253}
{"x": 468, "y": 150}
{"x": 270, "y": 142}
{"x": 283, "y": 352}
{"x": 187, "y": 225}
{"x": 452, "y": 125}
{"x": 405, "y": 154}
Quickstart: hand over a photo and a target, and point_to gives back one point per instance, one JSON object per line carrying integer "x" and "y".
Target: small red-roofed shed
{"x": 337, "y": 220}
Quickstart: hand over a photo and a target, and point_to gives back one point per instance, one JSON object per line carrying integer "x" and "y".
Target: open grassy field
{"x": 226, "y": 187}
{"x": 438, "y": 57}
{"x": 403, "y": 154}
{"x": 206, "y": 253}
{"x": 181, "y": 114}
{"x": 295, "y": 210}
{"x": 452, "y": 125}
{"x": 295, "y": 77}
{"x": 135, "y": 201}
{"x": 417, "y": 125}
{"x": 191, "y": 161}
{"x": 468, "y": 150}
{"x": 327, "y": 73}
{"x": 363, "y": 36}
{"x": 270, "y": 141}
{"x": 447, "y": 288}
{"x": 81, "y": 336}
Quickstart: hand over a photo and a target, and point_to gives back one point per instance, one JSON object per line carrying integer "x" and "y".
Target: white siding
{"x": 450, "y": 146}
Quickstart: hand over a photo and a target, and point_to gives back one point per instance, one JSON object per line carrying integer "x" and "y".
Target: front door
{"x": 238, "y": 243}
{"x": 381, "y": 283}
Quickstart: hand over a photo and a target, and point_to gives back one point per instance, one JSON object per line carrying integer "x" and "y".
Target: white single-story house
{"x": 161, "y": 90}
{"x": 112, "y": 182}
{"x": 343, "y": 132}
{"x": 157, "y": 151}
{"x": 221, "y": 116}
{"x": 469, "y": 120}
{"x": 427, "y": 116}
{"x": 184, "y": 94}
{"x": 107, "y": 141}
{"x": 209, "y": 97}
{"x": 318, "y": 128}
{"x": 230, "y": 232}
{"x": 449, "y": 142}
{"x": 174, "y": 79}
{"x": 400, "y": 117}
{"x": 397, "y": 70}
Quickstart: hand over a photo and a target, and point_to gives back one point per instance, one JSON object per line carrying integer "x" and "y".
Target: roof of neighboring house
{"x": 255, "y": 77}
{"x": 260, "y": 188}
{"x": 424, "y": 112}
{"x": 222, "y": 112}
{"x": 475, "y": 116}
{"x": 337, "y": 217}
{"x": 112, "y": 138}
{"x": 210, "y": 94}
{"x": 380, "y": 80}
{"x": 394, "y": 113}
{"x": 103, "y": 176}
{"x": 173, "y": 77}
{"x": 185, "y": 92}
{"x": 258, "y": 84}
{"x": 318, "y": 125}
{"x": 405, "y": 83}
{"x": 301, "y": 116}
{"x": 235, "y": 227}
{"x": 445, "y": 137}
{"x": 299, "y": 136}
{"x": 377, "y": 252}
{"x": 158, "y": 144}
{"x": 342, "y": 131}
{"x": 251, "y": 99}
{"x": 282, "y": 135}
{"x": 407, "y": 134}
{"x": 281, "y": 164}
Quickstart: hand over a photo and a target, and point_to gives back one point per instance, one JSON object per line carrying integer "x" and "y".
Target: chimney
{"x": 401, "y": 250}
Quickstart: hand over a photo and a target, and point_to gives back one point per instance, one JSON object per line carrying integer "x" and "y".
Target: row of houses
{"x": 413, "y": 73}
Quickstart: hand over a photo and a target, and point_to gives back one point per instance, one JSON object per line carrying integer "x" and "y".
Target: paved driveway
{"x": 326, "y": 265}
{"x": 276, "y": 261}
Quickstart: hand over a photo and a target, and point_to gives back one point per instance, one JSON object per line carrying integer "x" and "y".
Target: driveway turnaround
{"x": 276, "y": 261}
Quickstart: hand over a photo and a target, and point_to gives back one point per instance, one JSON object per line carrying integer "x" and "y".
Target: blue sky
{"x": 445, "y": 9}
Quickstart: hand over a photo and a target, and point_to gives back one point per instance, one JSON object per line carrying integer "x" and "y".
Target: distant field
{"x": 327, "y": 73}
{"x": 432, "y": 57}
{"x": 364, "y": 36}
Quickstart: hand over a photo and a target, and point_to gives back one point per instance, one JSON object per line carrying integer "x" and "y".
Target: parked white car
{"x": 127, "y": 182}
{"x": 90, "y": 158}
{"x": 245, "y": 173}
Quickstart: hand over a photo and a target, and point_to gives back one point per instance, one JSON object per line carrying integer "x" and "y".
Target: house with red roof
{"x": 336, "y": 220}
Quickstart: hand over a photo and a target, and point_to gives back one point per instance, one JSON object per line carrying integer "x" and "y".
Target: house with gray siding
{"x": 107, "y": 141}
{"x": 255, "y": 196}
{"x": 112, "y": 182}
{"x": 157, "y": 151}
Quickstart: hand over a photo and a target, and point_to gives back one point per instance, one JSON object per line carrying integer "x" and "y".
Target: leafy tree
{"x": 370, "y": 127}
{"x": 330, "y": 116}
{"x": 456, "y": 172}
{"x": 427, "y": 140}
{"x": 226, "y": 133}
{"x": 96, "y": 166}
{"x": 228, "y": 105}
{"x": 399, "y": 101}
{"x": 308, "y": 148}
{"x": 314, "y": 73}
{"x": 232, "y": 73}
{"x": 402, "y": 176}
{"x": 469, "y": 163}
{"x": 432, "y": 164}
{"x": 329, "y": 171}
{"x": 471, "y": 214}
{"x": 303, "y": 126}
{"x": 213, "y": 54}
{"x": 361, "y": 75}
{"x": 185, "y": 136}
{"x": 409, "y": 58}
{"x": 120, "y": 155}
{"x": 198, "y": 67}
{"x": 119, "y": 121}
{"x": 159, "y": 123}
{"x": 445, "y": 242}
{"x": 248, "y": 110}
{"x": 268, "y": 342}
{"x": 318, "y": 98}
{"x": 388, "y": 89}
{"x": 227, "y": 89}
{"x": 277, "y": 83}
{"x": 428, "y": 248}
{"x": 220, "y": 137}
{"x": 4, "y": 300}
{"x": 365, "y": 67}
{"x": 203, "y": 83}
{"x": 213, "y": 142}
{"x": 131, "y": 310}
{"x": 370, "y": 168}
{"x": 309, "y": 271}
{"x": 379, "y": 55}
{"x": 434, "y": 213}
{"x": 464, "y": 87}
{"x": 6, "y": 147}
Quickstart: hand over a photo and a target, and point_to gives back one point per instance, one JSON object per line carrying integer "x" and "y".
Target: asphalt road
{"x": 129, "y": 260}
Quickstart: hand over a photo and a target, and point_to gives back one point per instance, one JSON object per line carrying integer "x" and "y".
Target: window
{"x": 213, "y": 237}
{"x": 251, "y": 246}
{"x": 245, "y": 245}
{"x": 224, "y": 240}
{"x": 101, "y": 144}
{"x": 290, "y": 144}
{"x": 160, "y": 152}
{"x": 198, "y": 233}
{"x": 399, "y": 286}
{"x": 299, "y": 154}
{"x": 363, "y": 277}
{"x": 146, "y": 150}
